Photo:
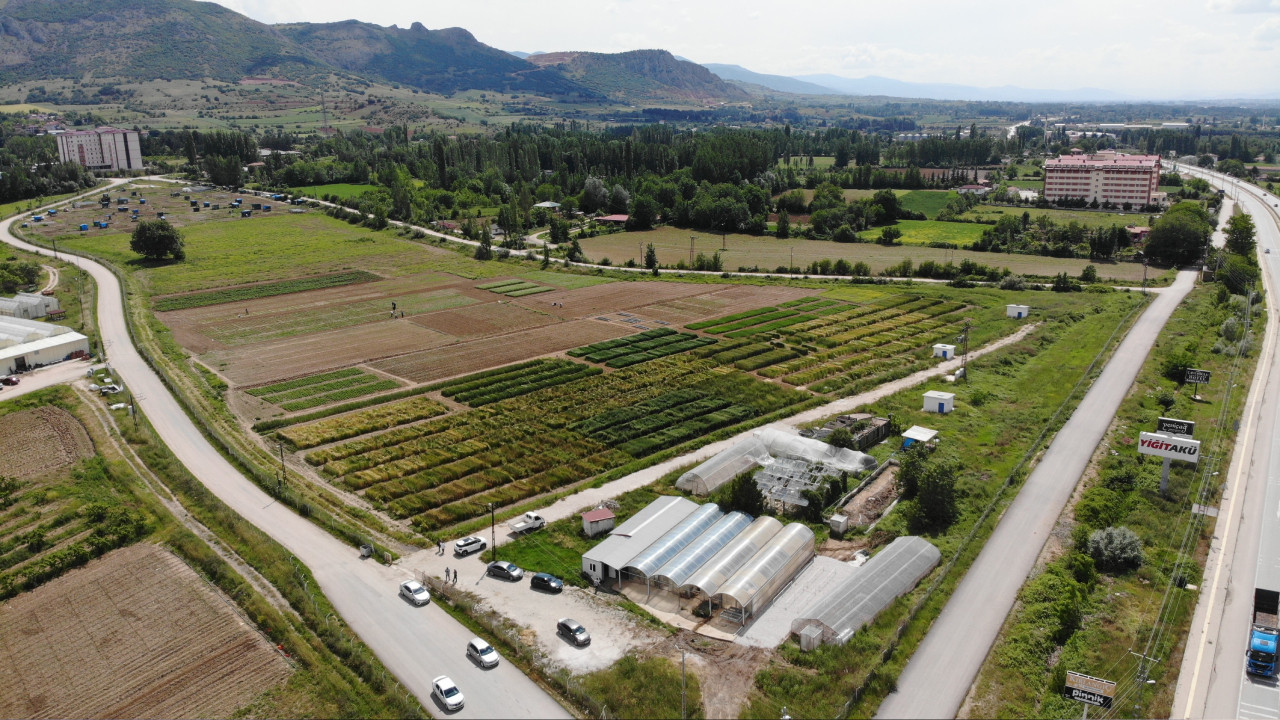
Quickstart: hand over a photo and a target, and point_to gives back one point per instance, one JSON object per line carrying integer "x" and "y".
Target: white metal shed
{"x": 944, "y": 351}
{"x": 1017, "y": 312}
{"x": 939, "y": 402}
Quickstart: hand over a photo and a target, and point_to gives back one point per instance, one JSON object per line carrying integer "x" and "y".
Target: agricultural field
{"x": 261, "y": 290}
{"x": 641, "y": 347}
{"x": 924, "y": 232}
{"x": 768, "y": 253}
{"x": 136, "y": 633}
{"x": 929, "y": 202}
{"x": 514, "y": 288}
{"x": 1086, "y": 218}
{"x": 323, "y": 389}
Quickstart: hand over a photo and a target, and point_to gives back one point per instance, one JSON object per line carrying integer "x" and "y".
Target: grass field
{"x": 802, "y": 161}
{"x": 273, "y": 248}
{"x": 346, "y": 191}
{"x": 929, "y": 202}
{"x": 1087, "y": 218}
{"x": 768, "y": 253}
{"x": 252, "y": 292}
{"x": 924, "y": 232}
{"x": 19, "y": 206}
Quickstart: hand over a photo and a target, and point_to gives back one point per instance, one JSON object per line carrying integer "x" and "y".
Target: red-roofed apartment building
{"x": 1106, "y": 177}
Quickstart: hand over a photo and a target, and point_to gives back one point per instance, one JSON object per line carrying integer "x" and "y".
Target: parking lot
{"x": 614, "y": 631}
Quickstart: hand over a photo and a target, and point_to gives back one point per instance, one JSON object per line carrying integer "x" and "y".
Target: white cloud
{"x": 1244, "y": 6}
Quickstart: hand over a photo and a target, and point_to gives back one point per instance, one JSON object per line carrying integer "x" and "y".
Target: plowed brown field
{"x": 39, "y": 441}
{"x": 135, "y": 633}
{"x": 489, "y": 319}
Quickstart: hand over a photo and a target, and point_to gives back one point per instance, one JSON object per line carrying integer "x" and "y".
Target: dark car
{"x": 543, "y": 581}
{"x": 505, "y": 570}
{"x": 10, "y": 380}
{"x": 573, "y": 631}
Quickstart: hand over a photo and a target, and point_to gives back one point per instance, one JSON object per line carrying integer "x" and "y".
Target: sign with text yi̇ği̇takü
{"x": 1177, "y": 448}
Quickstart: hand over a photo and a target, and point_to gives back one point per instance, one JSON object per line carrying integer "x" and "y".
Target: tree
{"x": 484, "y": 251}
{"x": 644, "y": 213}
{"x": 1181, "y": 235}
{"x": 743, "y": 495}
{"x": 932, "y": 506}
{"x": 1116, "y": 549}
{"x": 784, "y": 226}
{"x": 1089, "y": 274}
{"x": 594, "y": 195}
{"x": 841, "y": 438}
{"x": 889, "y": 236}
{"x": 619, "y": 198}
{"x": 1240, "y": 235}
{"x": 546, "y": 256}
{"x": 157, "y": 239}
{"x": 651, "y": 259}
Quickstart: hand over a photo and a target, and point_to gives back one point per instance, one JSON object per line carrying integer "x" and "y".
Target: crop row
{"x": 772, "y": 357}
{"x": 687, "y": 430}
{"x": 629, "y": 348}
{"x": 303, "y": 381}
{"x": 500, "y": 283}
{"x": 361, "y": 422}
{"x": 340, "y": 395}
{"x": 621, "y": 416}
{"x": 511, "y": 373}
{"x": 703, "y": 324}
{"x": 529, "y": 291}
{"x": 650, "y": 424}
{"x": 883, "y": 308}
{"x": 320, "y": 388}
{"x": 751, "y": 321}
{"x": 252, "y": 292}
{"x": 620, "y": 342}
{"x": 665, "y": 350}
{"x": 524, "y": 386}
{"x": 770, "y": 327}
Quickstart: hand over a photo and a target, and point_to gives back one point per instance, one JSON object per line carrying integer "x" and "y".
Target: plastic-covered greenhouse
{"x": 679, "y": 568}
{"x": 761, "y": 450}
{"x": 756, "y": 583}
{"x": 725, "y": 563}
{"x": 675, "y": 540}
{"x": 855, "y": 602}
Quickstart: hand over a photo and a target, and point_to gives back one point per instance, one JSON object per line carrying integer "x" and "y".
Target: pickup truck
{"x": 1263, "y": 633}
{"x": 527, "y": 523}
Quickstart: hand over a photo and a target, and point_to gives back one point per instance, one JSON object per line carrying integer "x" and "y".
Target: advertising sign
{"x": 1169, "y": 446}
{"x": 1197, "y": 376}
{"x": 1091, "y": 690}
{"x": 1173, "y": 426}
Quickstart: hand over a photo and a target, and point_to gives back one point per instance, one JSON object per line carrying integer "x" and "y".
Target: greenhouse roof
{"x": 675, "y": 539}
{"x": 757, "y": 581}
{"x": 640, "y": 531}
{"x": 679, "y": 568}
{"x": 716, "y": 571}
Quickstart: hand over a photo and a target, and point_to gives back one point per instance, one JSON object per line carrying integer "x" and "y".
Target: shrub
{"x": 1116, "y": 549}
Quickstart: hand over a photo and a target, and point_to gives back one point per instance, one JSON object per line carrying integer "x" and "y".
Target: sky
{"x": 1151, "y": 49}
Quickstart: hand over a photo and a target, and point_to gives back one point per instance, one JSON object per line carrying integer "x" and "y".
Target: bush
{"x": 1116, "y": 549}
{"x": 1176, "y": 364}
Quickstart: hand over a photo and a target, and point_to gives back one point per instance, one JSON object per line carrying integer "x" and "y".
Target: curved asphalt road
{"x": 415, "y": 644}
{"x": 937, "y": 678}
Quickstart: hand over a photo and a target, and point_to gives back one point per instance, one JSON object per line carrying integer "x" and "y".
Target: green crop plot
{"x": 925, "y": 232}
{"x": 252, "y": 292}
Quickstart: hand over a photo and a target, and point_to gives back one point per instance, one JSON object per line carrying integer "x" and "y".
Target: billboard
{"x": 1174, "y": 426}
{"x": 1169, "y": 446}
{"x": 1092, "y": 690}
{"x": 1197, "y": 376}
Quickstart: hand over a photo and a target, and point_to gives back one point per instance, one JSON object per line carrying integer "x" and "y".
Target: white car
{"x": 482, "y": 653}
{"x": 446, "y": 693}
{"x": 470, "y": 545}
{"x": 414, "y": 592}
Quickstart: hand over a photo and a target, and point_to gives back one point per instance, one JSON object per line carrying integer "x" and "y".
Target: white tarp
{"x": 760, "y": 450}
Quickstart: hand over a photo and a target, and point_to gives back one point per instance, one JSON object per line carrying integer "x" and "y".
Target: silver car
{"x": 447, "y": 693}
{"x": 482, "y": 653}
{"x": 505, "y": 570}
{"x": 414, "y": 592}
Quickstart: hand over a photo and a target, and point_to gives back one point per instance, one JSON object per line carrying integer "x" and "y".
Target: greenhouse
{"x": 675, "y": 540}
{"x": 732, "y": 556}
{"x": 804, "y": 459}
{"x": 757, "y": 582}
{"x": 604, "y": 561}
{"x": 679, "y": 568}
{"x": 894, "y": 571}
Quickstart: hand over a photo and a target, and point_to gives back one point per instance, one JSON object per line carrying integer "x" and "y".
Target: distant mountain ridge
{"x": 640, "y": 75}
{"x": 780, "y": 83}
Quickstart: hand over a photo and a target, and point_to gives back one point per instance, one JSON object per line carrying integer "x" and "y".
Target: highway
{"x": 415, "y": 643}
{"x": 937, "y": 678}
{"x": 1246, "y": 547}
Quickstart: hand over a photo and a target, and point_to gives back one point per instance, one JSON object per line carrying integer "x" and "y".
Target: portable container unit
{"x": 939, "y": 402}
{"x": 1017, "y": 312}
{"x": 84, "y": 227}
{"x": 946, "y": 352}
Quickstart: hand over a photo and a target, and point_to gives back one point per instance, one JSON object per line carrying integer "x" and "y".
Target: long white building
{"x": 29, "y": 344}
{"x": 103, "y": 148}
{"x": 1106, "y": 177}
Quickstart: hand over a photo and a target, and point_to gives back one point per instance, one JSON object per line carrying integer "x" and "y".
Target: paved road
{"x": 415, "y": 644}
{"x": 937, "y": 678}
{"x": 1212, "y": 682}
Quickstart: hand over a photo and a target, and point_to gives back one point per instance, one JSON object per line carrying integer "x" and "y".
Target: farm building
{"x": 603, "y": 562}
{"x": 28, "y": 344}
{"x": 597, "y": 521}
{"x": 946, "y": 352}
{"x": 838, "y": 614}
{"x": 613, "y": 219}
{"x": 1017, "y": 312}
{"x": 28, "y": 305}
{"x": 866, "y": 428}
{"x": 939, "y": 402}
{"x": 775, "y": 453}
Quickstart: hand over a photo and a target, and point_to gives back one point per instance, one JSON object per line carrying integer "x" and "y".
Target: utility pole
{"x": 691, "y": 238}
{"x": 325, "y": 110}
{"x": 791, "y": 268}
{"x": 683, "y": 714}
{"x": 280, "y": 479}
{"x": 964, "y": 349}
{"x": 493, "y": 533}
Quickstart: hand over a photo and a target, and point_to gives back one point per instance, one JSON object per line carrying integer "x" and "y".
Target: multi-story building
{"x": 102, "y": 148}
{"x": 1111, "y": 177}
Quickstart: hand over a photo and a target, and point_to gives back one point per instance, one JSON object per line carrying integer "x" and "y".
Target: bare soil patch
{"x": 867, "y": 506}
{"x": 135, "y": 633}
{"x": 467, "y": 357}
{"x": 491, "y": 318}
{"x": 607, "y": 298}
{"x": 725, "y": 301}
{"x": 292, "y": 357}
{"x": 40, "y": 441}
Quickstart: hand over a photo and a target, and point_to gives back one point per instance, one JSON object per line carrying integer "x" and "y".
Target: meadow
{"x": 1087, "y": 218}
{"x": 925, "y": 232}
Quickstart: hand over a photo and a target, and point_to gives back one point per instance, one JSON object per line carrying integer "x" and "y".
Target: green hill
{"x": 640, "y": 75}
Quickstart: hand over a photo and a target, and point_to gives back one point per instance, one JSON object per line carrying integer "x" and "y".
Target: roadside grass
{"x": 768, "y": 254}
{"x": 1011, "y": 398}
{"x": 1042, "y": 640}
{"x": 21, "y": 206}
{"x": 924, "y": 232}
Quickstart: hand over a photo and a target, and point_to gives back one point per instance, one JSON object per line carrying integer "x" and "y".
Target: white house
{"x": 946, "y": 352}
{"x": 1017, "y": 311}
{"x": 939, "y": 402}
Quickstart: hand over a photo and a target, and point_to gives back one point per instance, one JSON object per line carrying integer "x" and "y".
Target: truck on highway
{"x": 528, "y": 522}
{"x": 1263, "y": 633}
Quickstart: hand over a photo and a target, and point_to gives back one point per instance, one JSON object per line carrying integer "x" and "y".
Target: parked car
{"x": 10, "y": 380}
{"x": 482, "y": 653}
{"x": 447, "y": 693}
{"x": 543, "y": 581}
{"x": 469, "y": 545}
{"x": 573, "y": 631}
{"x": 414, "y": 592}
{"x": 505, "y": 570}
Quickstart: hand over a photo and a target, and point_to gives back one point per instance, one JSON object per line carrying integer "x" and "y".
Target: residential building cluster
{"x": 103, "y": 148}
{"x": 1104, "y": 177}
